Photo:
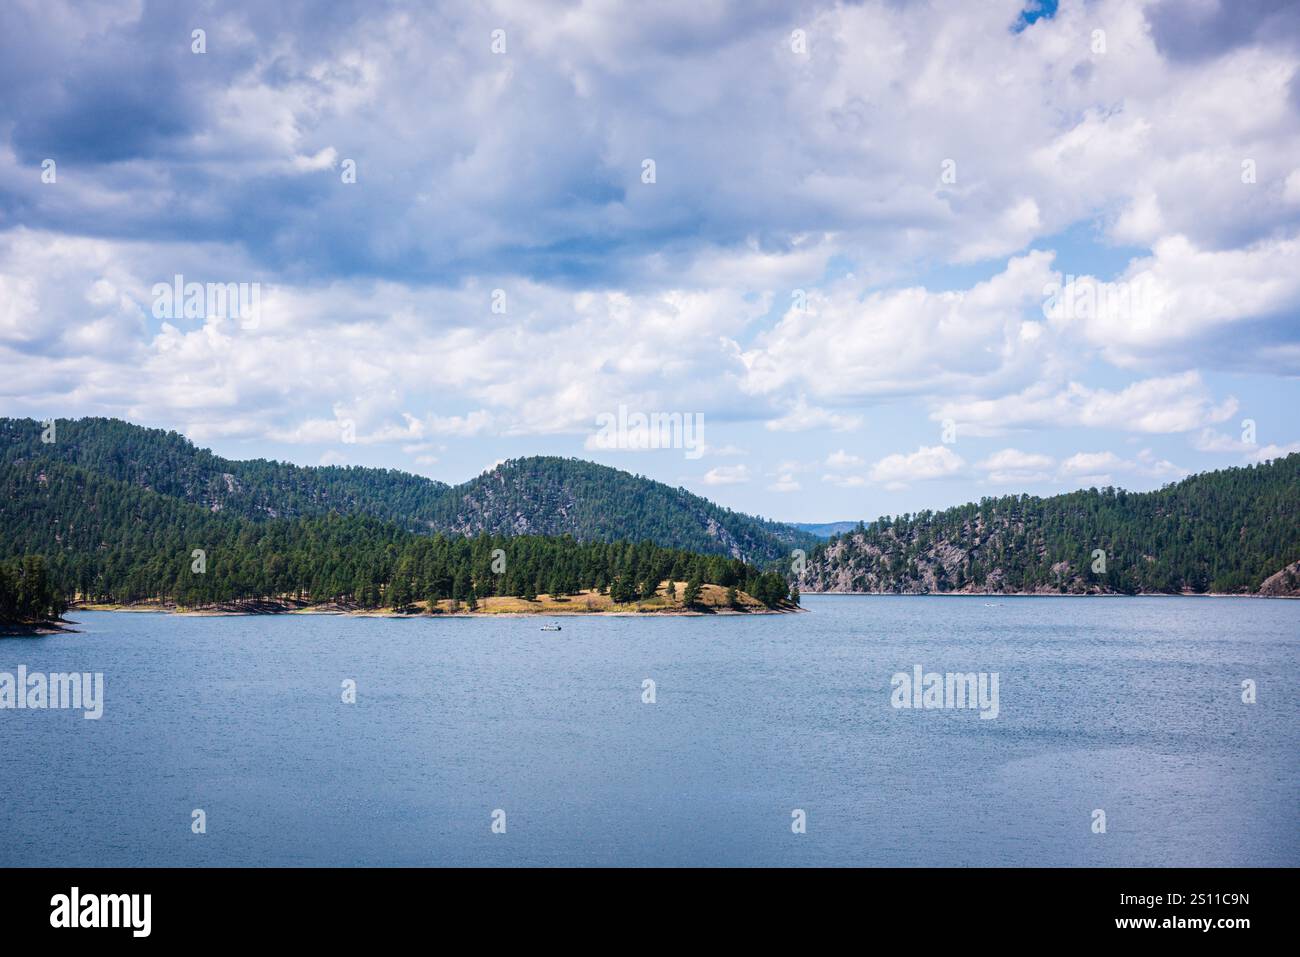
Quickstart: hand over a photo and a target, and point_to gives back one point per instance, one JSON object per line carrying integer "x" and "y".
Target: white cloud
{"x": 905, "y": 342}
{"x": 1211, "y": 440}
{"x": 1014, "y": 466}
{"x": 828, "y": 181}
{"x": 1092, "y": 463}
{"x": 802, "y": 417}
{"x": 841, "y": 459}
{"x": 1163, "y": 305}
{"x": 1015, "y": 459}
{"x": 1151, "y": 465}
{"x": 1291, "y": 191}
{"x": 1097, "y": 468}
{"x": 727, "y": 475}
{"x": 932, "y": 462}
{"x": 1169, "y": 404}
{"x": 1269, "y": 452}
{"x": 332, "y": 457}
{"x": 785, "y": 482}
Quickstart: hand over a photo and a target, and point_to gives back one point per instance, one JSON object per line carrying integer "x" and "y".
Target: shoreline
{"x": 381, "y": 613}
{"x": 36, "y": 629}
{"x": 385, "y": 613}
{"x": 712, "y": 601}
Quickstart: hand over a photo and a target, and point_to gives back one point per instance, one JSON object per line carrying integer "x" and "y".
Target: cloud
{"x": 1015, "y": 459}
{"x": 1013, "y": 466}
{"x": 1166, "y": 305}
{"x": 904, "y": 342}
{"x": 727, "y": 475}
{"x": 241, "y": 145}
{"x": 1096, "y": 468}
{"x": 860, "y": 235}
{"x": 1084, "y": 463}
{"x": 932, "y": 462}
{"x": 1150, "y": 465}
{"x": 332, "y": 457}
{"x": 1211, "y": 440}
{"x": 802, "y": 417}
{"x": 842, "y": 460}
{"x": 785, "y": 482}
{"x": 1168, "y": 404}
{"x": 1270, "y": 452}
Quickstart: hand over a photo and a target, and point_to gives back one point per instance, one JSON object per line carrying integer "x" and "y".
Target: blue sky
{"x": 844, "y": 262}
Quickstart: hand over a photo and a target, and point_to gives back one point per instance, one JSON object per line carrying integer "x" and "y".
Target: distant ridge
{"x": 825, "y": 529}
{"x": 545, "y": 495}
{"x": 537, "y": 496}
{"x": 1234, "y": 531}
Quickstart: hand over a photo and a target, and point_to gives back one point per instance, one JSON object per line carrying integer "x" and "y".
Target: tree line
{"x": 1223, "y": 531}
{"x": 28, "y": 592}
{"x": 540, "y": 495}
{"x": 108, "y": 541}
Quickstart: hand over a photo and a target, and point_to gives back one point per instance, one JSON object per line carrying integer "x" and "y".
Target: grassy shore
{"x": 712, "y": 601}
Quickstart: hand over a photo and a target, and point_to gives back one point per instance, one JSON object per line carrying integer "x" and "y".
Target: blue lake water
{"x": 1128, "y": 705}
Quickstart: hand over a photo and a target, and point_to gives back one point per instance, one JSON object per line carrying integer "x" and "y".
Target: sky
{"x": 879, "y": 256}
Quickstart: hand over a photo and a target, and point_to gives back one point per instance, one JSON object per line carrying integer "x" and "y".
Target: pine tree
{"x": 692, "y": 593}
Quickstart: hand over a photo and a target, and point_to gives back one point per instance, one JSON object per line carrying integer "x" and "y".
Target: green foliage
{"x": 28, "y": 592}
{"x": 558, "y": 496}
{"x": 111, "y": 541}
{"x": 168, "y": 463}
{"x": 1223, "y": 531}
{"x": 538, "y": 496}
{"x": 691, "y": 594}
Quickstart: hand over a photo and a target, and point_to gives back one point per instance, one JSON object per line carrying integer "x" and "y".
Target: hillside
{"x": 539, "y": 496}
{"x": 111, "y": 506}
{"x": 168, "y": 463}
{"x": 558, "y": 496}
{"x": 107, "y": 541}
{"x": 1228, "y": 532}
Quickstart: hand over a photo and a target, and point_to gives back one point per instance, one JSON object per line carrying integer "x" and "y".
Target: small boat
{"x": 551, "y": 627}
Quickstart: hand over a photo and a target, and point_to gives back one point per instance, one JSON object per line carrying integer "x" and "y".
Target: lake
{"x": 1129, "y": 706}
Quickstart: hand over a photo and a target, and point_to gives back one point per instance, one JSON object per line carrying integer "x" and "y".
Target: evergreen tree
{"x": 692, "y": 593}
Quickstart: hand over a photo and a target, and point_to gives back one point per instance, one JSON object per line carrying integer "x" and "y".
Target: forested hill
{"x": 557, "y": 496}
{"x": 103, "y": 540}
{"x": 171, "y": 465}
{"x": 540, "y": 496}
{"x": 1229, "y": 531}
